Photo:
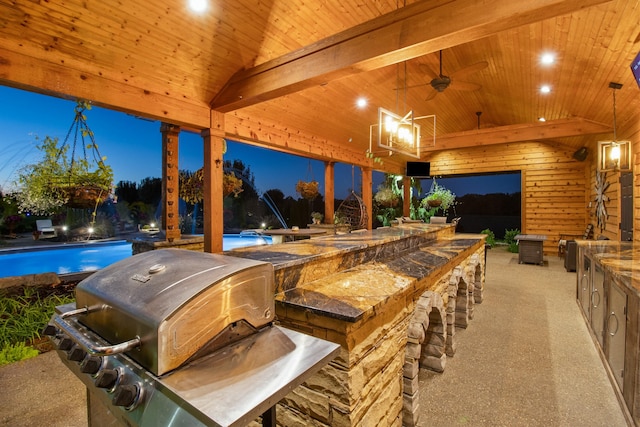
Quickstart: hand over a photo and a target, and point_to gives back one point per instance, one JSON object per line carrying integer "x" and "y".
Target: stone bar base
{"x": 391, "y": 318}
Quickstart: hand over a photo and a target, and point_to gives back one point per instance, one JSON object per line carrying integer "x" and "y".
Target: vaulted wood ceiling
{"x": 287, "y": 73}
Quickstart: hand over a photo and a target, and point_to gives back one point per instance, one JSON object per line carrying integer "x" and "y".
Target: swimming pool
{"x": 90, "y": 256}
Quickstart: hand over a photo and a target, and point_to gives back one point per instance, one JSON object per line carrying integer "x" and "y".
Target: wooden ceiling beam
{"x": 518, "y": 133}
{"x": 415, "y": 30}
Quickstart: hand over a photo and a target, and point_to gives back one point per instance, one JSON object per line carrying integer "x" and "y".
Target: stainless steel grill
{"x": 183, "y": 336}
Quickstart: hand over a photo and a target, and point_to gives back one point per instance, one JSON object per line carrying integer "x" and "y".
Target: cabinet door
{"x": 584, "y": 286}
{"x": 597, "y": 303}
{"x": 616, "y": 332}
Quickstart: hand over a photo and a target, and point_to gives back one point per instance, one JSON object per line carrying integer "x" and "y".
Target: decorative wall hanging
{"x": 601, "y": 210}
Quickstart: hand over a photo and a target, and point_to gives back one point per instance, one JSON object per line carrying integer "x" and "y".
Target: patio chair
{"x": 45, "y": 228}
{"x": 564, "y": 238}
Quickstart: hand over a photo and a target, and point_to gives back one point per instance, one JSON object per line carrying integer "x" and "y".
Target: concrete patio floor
{"x": 526, "y": 359}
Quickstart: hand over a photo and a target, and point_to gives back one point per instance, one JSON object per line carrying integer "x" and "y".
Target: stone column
{"x": 329, "y": 192}
{"x": 170, "y": 181}
{"x": 214, "y": 148}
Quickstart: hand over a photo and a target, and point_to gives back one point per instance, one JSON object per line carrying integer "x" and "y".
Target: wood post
{"x": 170, "y": 181}
{"x": 329, "y": 192}
{"x": 367, "y": 194}
{"x": 406, "y": 196}
{"x": 214, "y": 148}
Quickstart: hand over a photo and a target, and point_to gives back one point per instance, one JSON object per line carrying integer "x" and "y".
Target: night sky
{"x": 133, "y": 149}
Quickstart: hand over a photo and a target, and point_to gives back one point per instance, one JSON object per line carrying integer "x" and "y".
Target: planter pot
{"x": 389, "y": 203}
{"x": 85, "y": 197}
{"x": 434, "y": 203}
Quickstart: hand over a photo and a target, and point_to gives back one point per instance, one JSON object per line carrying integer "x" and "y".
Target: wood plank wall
{"x": 555, "y": 194}
{"x": 612, "y": 228}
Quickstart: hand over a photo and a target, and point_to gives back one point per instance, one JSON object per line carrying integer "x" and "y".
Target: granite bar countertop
{"x": 621, "y": 259}
{"x": 359, "y": 292}
{"x": 348, "y": 277}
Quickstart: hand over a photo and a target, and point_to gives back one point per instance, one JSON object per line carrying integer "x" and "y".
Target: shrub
{"x": 22, "y": 318}
{"x": 510, "y": 235}
{"x": 491, "y": 237}
{"x": 510, "y": 239}
{"x": 10, "y": 353}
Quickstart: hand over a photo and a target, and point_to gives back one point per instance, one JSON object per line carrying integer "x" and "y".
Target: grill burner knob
{"x": 76, "y": 354}
{"x": 65, "y": 344}
{"x": 91, "y": 365}
{"x": 107, "y": 378}
{"x": 125, "y": 395}
{"x": 50, "y": 330}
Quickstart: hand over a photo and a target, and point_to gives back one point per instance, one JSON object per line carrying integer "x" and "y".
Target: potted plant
{"x": 192, "y": 186}
{"x": 386, "y": 197}
{"x": 439, "y": 197}
{"x": 316, "y": 217}
{"x": 59, "y": 180}
{"x": 308, "y": 190}
{"x": 231, "y": 184}
{"x": 62, "y": 177}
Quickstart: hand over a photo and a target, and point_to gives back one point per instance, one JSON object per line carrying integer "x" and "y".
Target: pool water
{"x": 90, "y": 256}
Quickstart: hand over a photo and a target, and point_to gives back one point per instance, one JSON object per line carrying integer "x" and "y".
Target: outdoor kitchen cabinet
{"x": 584, "y": 285}
{"x": 615, "y": 334}
{"x": 597, "y": 303}
{"x": 611, "y": 310}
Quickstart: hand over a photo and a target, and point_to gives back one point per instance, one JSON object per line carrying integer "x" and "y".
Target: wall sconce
{"x": 398, "y": 133}
{"x": 614, "y": 155}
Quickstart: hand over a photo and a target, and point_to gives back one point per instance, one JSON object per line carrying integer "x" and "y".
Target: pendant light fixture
{"x": 614, "y": 155}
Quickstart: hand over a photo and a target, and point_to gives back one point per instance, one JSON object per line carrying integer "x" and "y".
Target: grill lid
{"x": 182, "y": 304}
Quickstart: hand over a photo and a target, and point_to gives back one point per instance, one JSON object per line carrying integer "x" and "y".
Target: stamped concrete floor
{"x": 526, "y": 359}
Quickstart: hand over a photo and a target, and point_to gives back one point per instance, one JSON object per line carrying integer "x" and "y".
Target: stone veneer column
{"x": 170, "y": 181}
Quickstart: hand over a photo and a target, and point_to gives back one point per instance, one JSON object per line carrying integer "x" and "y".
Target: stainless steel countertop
{"x": 240, "y": 382}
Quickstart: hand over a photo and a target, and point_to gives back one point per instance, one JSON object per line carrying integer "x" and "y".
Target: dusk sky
{"x": 133, "y": 149}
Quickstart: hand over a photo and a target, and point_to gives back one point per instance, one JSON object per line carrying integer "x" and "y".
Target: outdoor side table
{"x": 530, "y": 248}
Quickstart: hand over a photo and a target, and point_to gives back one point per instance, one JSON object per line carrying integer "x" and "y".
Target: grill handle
{"x": 60, "y": 321}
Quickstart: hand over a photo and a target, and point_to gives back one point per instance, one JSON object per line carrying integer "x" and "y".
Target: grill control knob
{"x": 107, "y": 378}
{"x": 125, "y": 395}
{"x": 65, "y": 344}
{"x": 76, "y": 354}
{"x": 50, "y": 330}
{"x": 91, "y": 365}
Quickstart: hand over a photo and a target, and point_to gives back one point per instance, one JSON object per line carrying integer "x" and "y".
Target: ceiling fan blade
{"x": 466, "y": 86}
{"x": 432, "y": 94}
{"x": 426, "y": 70}
{"x": 474, "y": 68}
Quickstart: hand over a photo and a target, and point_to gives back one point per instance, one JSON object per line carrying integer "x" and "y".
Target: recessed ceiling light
{"x": 361, "y": 102}
{"x": 548, "y": 58}
{"x": 545, "y": 89}
{"x": 542, "y": 119}
{"x": 198, "y": 6}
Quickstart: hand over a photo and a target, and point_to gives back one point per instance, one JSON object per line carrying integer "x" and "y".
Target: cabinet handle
{"x": 595, "y": 291}
{"x": 584, "y": 276}
{"x": 609, "y": 323}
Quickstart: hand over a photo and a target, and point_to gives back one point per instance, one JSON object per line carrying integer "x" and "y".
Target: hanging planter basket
{"x": 434, "y": 203}
{"x": 85, "y": 196}
{"x": 308, "y": 190}
{"x": 71, "y": 174}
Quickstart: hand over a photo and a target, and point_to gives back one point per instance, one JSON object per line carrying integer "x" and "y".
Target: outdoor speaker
{"x": 581, "y": 154}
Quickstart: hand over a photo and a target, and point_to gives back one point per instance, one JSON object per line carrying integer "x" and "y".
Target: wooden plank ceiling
{"x": 287, "y": 73}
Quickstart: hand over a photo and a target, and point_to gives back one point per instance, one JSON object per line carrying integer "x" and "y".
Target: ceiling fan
{"x": 455, "y": 81}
